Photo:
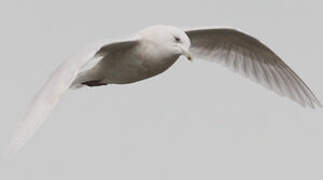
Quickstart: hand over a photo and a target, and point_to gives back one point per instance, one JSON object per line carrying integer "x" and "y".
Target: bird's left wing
{"x": 61, "y": 79}
{"x": 251, "y": 58}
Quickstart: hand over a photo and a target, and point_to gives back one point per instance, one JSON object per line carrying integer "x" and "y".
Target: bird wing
{"x": 251, "y": 58}
{"x": 49, "y": 95}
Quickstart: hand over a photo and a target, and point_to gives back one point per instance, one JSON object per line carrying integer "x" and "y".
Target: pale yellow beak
{"x": 187, "y": 54}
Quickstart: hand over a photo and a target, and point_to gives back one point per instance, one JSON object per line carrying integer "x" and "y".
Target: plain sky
{"x": 195, "y": 121}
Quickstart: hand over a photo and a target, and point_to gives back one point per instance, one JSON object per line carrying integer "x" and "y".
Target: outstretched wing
{"x": 248, "y": 56}
{"x": 47, "y": 98}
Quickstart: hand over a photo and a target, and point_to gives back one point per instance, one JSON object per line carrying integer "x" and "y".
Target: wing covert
{"x": 248, "y": 56}
{"x": 52, "y": 91}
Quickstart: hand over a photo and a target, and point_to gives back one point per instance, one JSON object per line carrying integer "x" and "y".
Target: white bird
{"x": 152, "y": 51}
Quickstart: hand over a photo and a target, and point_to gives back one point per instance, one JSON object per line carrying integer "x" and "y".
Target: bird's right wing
{"x": 45, "y": 101}
{"x": 251, "y": 58}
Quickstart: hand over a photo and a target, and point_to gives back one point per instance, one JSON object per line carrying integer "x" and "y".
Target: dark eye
{"x": 177, "y": 39}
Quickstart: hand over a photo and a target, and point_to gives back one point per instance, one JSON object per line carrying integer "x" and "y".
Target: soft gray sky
{"x": 195, "y": 121}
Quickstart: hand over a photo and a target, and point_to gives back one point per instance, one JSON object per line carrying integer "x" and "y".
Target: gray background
{"x": 195, "y": 121}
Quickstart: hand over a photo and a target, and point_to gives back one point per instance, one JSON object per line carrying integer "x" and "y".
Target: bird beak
{"x": 187, "y": 54}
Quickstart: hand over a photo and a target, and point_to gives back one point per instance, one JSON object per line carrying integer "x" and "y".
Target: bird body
{"x": 152, "y": 51}
{"x": 129, "y": 66}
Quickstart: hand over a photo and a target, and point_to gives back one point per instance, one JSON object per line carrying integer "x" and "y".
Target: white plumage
{"x": 151, "y": 52}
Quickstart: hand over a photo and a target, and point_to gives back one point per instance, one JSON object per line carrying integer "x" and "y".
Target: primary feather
{"x": 251, "y": 58}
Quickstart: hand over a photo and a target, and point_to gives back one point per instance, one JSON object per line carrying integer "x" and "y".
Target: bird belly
{"x": 133, "y": 69}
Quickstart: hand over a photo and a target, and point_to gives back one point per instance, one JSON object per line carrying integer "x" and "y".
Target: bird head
{"x": 169, "y": 39}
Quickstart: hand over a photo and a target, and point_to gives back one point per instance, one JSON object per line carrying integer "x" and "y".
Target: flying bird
{"x": 151, "y": 52}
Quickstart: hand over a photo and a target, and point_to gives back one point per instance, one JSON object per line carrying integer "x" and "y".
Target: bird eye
{"x": 177, "y": 39}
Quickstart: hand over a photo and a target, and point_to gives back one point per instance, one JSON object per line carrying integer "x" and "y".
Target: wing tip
{"x": 314, "y": 104}
{"x": 9, "y": 151}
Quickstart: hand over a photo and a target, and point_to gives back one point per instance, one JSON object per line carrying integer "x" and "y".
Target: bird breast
{"x": 140, "y": 63}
